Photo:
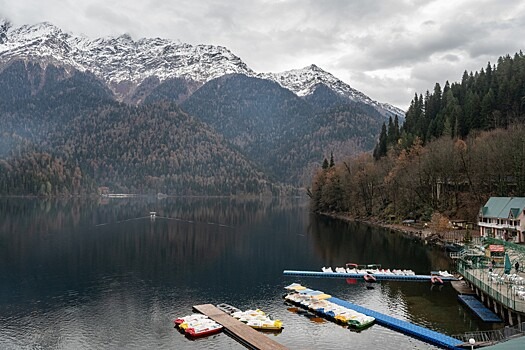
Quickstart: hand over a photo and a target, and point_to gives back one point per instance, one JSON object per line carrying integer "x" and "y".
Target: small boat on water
{"x": 197, "y": 325}
{"x": 444, "y": 274}
{"x": 189, "y": 318}
{"x": 436, "y": 280}
{"x": 370, "y": 269}
{"x": 355, "y": 320}
{"x": 316, "y": 301}
{"x": 227, "y": 308}
{"x": 203, "y": 329}
{"x": 369, "y": 278}
{"x": 257, "y": 319}
{"x": 266, "y": 325}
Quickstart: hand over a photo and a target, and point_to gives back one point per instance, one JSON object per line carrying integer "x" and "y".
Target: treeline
{"x": 145, "y": 149}
{"x": 42, "y": 174}
{"x": 457, "y": 147}
{"x": 485, "y": 100}
{"x": 452, "y": 176}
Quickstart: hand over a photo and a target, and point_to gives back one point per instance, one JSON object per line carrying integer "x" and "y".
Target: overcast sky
{"x": 388, "y": 49}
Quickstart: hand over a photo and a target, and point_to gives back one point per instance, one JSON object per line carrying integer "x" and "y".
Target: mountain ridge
{"x": 153, "y": 115}
{"x": 303, "y": 81}
{"x": 124, "y": 63}
{"x": 70, "y": 137}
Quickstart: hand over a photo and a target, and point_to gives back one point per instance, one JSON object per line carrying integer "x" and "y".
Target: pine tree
{"x": 381, "y": 147}
{"x": 391, "y": 132}
{"x": 396, "y": 129}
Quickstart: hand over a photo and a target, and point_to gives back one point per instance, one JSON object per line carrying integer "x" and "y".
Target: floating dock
{"x": 416, "y": 331}
{"x": 378, "y": 276}
{"x": 244, "y": 334}
{"x": 479, "y": 309}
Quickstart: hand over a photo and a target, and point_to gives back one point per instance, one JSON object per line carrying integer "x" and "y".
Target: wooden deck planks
{"x": 461, "y": 287}
{"x": 238, "y": 330}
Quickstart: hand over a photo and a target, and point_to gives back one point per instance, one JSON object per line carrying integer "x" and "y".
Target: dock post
{"x": 511, "y": 322}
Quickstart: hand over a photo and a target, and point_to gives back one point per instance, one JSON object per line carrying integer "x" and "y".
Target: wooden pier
{"x": 462, "y": 288}
{"x": 244, "y": 334}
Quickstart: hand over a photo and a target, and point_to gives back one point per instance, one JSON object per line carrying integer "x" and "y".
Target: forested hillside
{"x": 457, "y": 148}
{"x": 155, "y": 115}
{"x": 62, "y": 133}
{"x": 488, "y": 99}
{"x": 285, "y": 134}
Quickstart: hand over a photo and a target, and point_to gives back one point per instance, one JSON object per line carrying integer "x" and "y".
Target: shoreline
{"x": 423, "y": 234}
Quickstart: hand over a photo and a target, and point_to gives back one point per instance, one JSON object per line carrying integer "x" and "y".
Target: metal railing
{"x": 493, "y": 336}
{"x": 498, "y": 226}
{"x": 499, "y": 291}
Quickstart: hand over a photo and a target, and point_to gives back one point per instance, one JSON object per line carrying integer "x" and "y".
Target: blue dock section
{"x": 411, "y": 329}
{"x": 479, "y": 309}
{"x": 378, "y": 276}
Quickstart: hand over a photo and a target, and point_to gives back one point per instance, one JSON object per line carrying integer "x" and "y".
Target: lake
{"x": 101, "y": 274}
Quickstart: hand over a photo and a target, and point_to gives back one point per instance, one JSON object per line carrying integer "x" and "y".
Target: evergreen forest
{"x": 459, "y": 145}
{"x": 64, "y": 133}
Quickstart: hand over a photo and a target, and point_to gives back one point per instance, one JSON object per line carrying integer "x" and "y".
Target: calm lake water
{"x": 101, "y": 274}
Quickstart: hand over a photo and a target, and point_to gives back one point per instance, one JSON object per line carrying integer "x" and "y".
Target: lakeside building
{"x": 503, "y": 218}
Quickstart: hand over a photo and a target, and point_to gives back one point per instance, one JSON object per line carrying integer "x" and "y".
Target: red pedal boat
{"x": 189, "y": 318}
{"x": 436, "y": 280}
{"x": 369, "y": 278}
{"x": 204, "y": 329}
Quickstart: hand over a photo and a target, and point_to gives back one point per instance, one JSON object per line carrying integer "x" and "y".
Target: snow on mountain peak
{"x": 304, "y": 81}
{"x": 4, "y": 27}
{"x": 122, "y": 59}
{"x": 117, "y": 59}
{"x": 4, "y": 23}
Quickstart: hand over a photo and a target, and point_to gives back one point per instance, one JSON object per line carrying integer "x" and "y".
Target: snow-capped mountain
{"x": 119, "y": 59}
{"x": 124, "y": 63}
{"x": 304, "y": 81}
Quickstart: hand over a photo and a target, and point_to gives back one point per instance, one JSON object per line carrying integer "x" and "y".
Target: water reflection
{"x": 339, "y": 242}
{"x": 102, "y": 274}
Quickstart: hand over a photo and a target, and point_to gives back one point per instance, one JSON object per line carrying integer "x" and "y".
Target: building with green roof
{"x": 503, "y": 218}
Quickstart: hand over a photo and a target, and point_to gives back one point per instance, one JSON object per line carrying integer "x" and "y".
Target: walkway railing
{"x": 497, "y": 335}
{"x": 500, "y": 291}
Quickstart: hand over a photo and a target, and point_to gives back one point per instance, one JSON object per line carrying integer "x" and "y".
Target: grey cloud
{"x": 115, "y": 22}
{"x": 428, "y": 41}
{"x": 394, "y": 90}
{"x": 451, "y": 57}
